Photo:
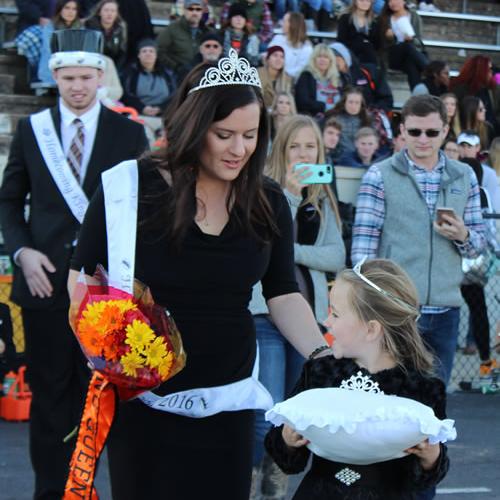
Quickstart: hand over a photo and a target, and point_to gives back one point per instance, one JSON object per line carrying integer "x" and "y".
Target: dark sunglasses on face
{"x": 211, "y": 45}
{"x": 417, "y": 132}
{"x": 194, "y": 9}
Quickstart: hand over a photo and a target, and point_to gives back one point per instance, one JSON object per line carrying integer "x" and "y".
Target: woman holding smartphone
{"x": 319, "y": 249}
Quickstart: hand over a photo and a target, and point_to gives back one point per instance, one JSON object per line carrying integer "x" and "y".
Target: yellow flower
{"x": 166, "y": 365}
{"x": 131, "y": 362}
{"x": 124, "y": 305}
{"x": 155, "y": 352}
{"x": 139, "y": 335}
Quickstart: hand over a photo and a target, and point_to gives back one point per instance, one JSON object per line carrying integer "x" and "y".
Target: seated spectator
{"x": 237, "y": 34}
{"x": 33, "y": 13}
{"x": 399, "y": 32}
{"x": 272, "y": 75}
{"x": 179, "y": 42}
{"x": 451, "y": 149}
{"x": 365, "y": 155}
{"x": 148, "y": 86}
{"x": 352, "y": 114}
{"x": 259, "y": 16}
{"x": 473, "y": 117}
{"x": 317, "y": 10}
{"x": 428, "y": 6}
{"x": 137, "y": 18}
{"x": 494, "y": 155}
{"x": 376, "y": 91}
{"x": 298, "y": 48}
{"x": 470, "y": 146}
{"x": 436, "y": 79}
{"x": 283, "y": 6}
{"x": 451, "y": 104}
{"x": 476, "y": 79}
{"x": 210, "y": 51}
{"x": 282, "y": 109}
{"x": 355, "y": 31}
{"x": 106, "y": 18}
{"x": 66, "y": 16}
{"x": 398, "y": 140}
{"x": 318, "y": 88}
{"x": 331, "y": 138}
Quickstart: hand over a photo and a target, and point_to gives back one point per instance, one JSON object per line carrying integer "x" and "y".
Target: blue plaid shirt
{"x": 370, "y": 213}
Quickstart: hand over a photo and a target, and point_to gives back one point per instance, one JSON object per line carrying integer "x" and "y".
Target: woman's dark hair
{"x": 59, "y": 7}
{"x": 339, "y": 108}
{"x": 469, "y": 106}
{"x": 187, "y": 121}
{"x": 433, "y": 69}
{"x": 96, "y": 13}
{"x": 475, "y": 164}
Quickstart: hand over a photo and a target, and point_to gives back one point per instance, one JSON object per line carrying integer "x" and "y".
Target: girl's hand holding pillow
{"x": 428, "y": 453}
{"x": 293, "y": 439}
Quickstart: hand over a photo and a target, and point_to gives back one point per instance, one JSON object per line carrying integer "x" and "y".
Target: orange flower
{"x": 90, "y": 338}
{"x": 111, "y": 348}
{"x": 110, "y": 319}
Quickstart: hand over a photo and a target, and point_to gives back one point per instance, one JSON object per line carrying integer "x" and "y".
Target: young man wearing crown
{"x": 55, "y": 161}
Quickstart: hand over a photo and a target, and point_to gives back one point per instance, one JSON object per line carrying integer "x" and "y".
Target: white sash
{"x": 53, "y": 154}
{"x": 120, "y": 185}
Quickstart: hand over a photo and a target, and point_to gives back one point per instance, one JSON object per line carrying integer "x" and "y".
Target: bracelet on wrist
{"x": 318, "y": 350}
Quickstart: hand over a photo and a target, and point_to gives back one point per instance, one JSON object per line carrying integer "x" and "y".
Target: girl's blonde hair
{"x": 278, "y": 161}
{"x": 291, "y": 99}
{"x": 455, "y": 121}
{"x": 332, "y": 75}
{"x": 494, "y": 154}
{"x": 396, "y": 309}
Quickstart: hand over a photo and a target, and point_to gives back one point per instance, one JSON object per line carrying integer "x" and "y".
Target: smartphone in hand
{"x": 320, "y": 173}
{"x": 444, "y": 210}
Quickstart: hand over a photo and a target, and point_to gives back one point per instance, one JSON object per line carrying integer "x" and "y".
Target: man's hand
{"x": 452, "y": 228}
{"x": 43, "y": 21}
{"x": 151, "y": 110}
{"x": 34, "y": 265}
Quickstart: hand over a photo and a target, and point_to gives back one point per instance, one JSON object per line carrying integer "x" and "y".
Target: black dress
{"x": 396, "y": 479}
{"x": 207, "y": 286}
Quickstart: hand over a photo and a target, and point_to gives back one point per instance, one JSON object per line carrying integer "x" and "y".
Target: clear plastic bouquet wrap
{"x": 133, "y": 345}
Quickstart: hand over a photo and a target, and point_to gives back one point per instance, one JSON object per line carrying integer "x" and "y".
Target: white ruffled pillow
{"x": 358, "y": 427}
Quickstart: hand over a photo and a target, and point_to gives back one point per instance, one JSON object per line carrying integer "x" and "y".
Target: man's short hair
{"x": 366, "y": 132}
{"x": 424, "y": 105}
{"x": 332, "y": 122}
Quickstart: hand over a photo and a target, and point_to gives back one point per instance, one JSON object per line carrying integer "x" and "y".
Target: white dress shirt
{"x": 68, "y": 131}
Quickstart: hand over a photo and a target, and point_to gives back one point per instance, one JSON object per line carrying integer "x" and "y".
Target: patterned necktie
{"x": 75, "y": 153}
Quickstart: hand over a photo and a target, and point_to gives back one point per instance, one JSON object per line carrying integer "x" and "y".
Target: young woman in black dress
{"x": 209, "y": 227}
{"x": 373, "y": 318}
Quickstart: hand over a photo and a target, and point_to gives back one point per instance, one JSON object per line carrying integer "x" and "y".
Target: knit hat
{"x": 146, "y": 42}
{"x": 79, "y": 47}
{"x": 274, "y": 48}
{"x": 341, "y": 50}
{"x": 211, "y": 36}
{"x": 237, "y": 9}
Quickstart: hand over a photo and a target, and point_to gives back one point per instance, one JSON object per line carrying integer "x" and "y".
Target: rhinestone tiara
{"x": 231, "y": 70}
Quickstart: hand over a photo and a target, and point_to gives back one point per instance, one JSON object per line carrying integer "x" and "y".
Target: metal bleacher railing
{"x": 5, "y": 12}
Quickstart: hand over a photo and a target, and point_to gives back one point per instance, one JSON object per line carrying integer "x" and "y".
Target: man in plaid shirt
{"x": 396, "y": 219}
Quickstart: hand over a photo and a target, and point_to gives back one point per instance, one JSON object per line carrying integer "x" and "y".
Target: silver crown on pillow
{"x": 231, "y": 70}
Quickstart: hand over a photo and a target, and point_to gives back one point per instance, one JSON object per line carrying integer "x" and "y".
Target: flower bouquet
{"x": 133, "y": 345}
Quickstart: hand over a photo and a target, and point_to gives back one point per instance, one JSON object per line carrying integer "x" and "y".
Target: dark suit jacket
{"x": 51, "y": 227}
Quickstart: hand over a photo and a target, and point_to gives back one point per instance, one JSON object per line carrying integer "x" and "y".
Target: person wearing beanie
{"x": 258, "y": 16}
{"x": 83, "y": 134}
{"x": 237, "y": 34}
{"x": 148, "y": 86}
{"x": 179, "y": 42}
{"x": 272, "y": 75}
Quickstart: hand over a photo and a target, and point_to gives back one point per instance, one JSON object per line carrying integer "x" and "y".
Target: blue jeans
{"x": 282, "y": 6}
{"x": 320, "y": 4}
{"x": 440, "y": 333}
{"x": 279, "y": 369}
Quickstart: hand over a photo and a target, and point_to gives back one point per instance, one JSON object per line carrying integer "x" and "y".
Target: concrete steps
{"x": 15, "y": 66}
{"x": 24, "y": 104}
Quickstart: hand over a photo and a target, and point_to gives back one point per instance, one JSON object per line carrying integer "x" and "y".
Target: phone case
{"x": 320, "y": 173}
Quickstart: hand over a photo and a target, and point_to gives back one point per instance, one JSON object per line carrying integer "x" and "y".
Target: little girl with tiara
{"x": 373, "y": 318}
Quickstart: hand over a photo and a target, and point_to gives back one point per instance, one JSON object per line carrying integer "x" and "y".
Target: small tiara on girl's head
{"x": 231, "y": 70}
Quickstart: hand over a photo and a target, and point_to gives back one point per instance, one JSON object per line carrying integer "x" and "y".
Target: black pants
{"x": 407, "y": 58}
{"x": 479, "y": 323}
{"x": 58, "y": 377}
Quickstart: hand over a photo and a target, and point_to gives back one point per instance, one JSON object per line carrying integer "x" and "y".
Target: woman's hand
{"x": 428, "y": 453}
{"x": 293, "y": 439}
{"x": 408, "y": 38}
{"x": 295, "y": 179}
{"x": 389, "y": 34}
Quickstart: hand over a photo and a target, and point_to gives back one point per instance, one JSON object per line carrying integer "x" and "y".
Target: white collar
{"x": 67, "y": 116}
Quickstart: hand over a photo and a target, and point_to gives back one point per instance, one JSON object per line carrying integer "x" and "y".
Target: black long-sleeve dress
{"x": 397, "y": 479}
{"x": 207, "y": 286}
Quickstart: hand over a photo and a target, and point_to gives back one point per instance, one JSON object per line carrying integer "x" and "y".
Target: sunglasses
{"x": 195, "y": 9}
{"x": 357, "y": 271}
{"x": 417, "y": 132}
{"x": 211, "y": 45}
